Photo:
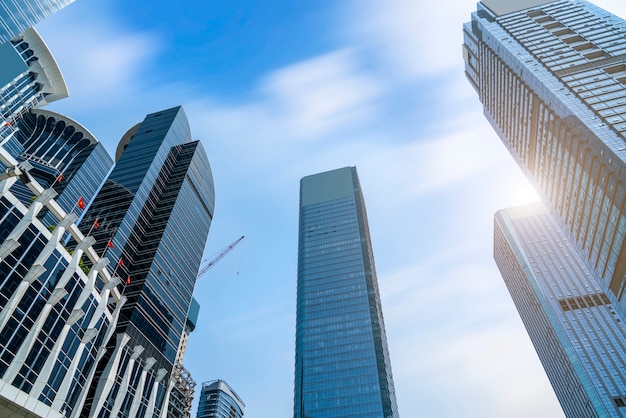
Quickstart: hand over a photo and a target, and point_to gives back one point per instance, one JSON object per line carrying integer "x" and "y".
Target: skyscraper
{"x": 92, "y": 316}
{"x": 579, "y": 337}
{"x": 219, "y": 400}
{"x": 552, "y": 79}
{"x": 154, "y": 213}
{"x": 18, "y": 15}
{"x": 54, "y": 320}
{"x": 342, "y": 360}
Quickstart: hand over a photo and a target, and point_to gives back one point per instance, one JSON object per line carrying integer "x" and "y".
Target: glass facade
{"x": 53, "y": 323}
{"x": 342, "y": 361}
{"x": 552, "y": 79}
{"x": 219, "y": 400}
{"x": 29, "y": 78}
{"x": 18, "y": 15}
{"x": 64, "y": 156}
{"x": 154, "y": 213}
{"x": 575, "y": 329}
{"x": 553, "y": 87}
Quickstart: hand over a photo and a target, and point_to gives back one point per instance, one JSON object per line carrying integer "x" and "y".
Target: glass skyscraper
{"x": 342, "y": 366}
{"x": 54, "y": 323}
{"x": 552, "y": 79}
{"x": 579, "y": 337}
{"x": 18, "y": 15}
{"x": 97, "y": 265}
{"x": 219, "y": 400}
{"x": 154, "y": 213}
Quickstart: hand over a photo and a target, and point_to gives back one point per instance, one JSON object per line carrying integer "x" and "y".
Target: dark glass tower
{"x": 154, "y": 214}
{"x": 342, "y": 361}
{"x": 219, "y": 400}
{"x": 552, "y": 79}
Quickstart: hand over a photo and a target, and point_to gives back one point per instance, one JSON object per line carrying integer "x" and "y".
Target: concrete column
{"x": 46, "y": 370}
{"x": 33, "y": 333}
{"x": 155, "y": 389}
{"x": 11, "y": 242}
{"x": 141, "y": 387}
{"x": 108, "y": 376}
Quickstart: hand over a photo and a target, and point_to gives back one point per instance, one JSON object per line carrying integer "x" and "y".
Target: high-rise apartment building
{"x": 18, "y": 15}
{"x": 219, "y": 400}
{"x": 552, "y": 79}
{"x": 342, "y": 360}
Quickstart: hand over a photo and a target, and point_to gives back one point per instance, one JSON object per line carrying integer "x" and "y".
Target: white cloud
{"x": 100, "y": 61}
{"x": 324, "y": 93}
{"x": 411, "y": 38}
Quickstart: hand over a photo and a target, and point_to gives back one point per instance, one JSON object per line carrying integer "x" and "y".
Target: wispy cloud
{"x": 321, "y": 94}
{"x": 412, "y": 38}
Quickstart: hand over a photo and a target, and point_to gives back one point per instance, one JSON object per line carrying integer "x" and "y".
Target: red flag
{"x": 110, "y": 243}
{"x": 96, "y": 224}
{"x": 81, "y": 203}
{"x": 128, "y": 280}
{"x": 59, "y": 178}
{"x": 120, "y": 263}
{"x": 7, "y": 123}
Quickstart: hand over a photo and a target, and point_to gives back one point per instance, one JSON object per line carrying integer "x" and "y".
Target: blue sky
{"x": 277, "y": 91}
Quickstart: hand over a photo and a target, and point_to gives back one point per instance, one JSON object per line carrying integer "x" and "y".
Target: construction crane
{"x": 221, "y": 255}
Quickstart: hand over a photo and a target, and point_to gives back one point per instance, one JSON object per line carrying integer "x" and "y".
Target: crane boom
{"x": 219, "y": 257}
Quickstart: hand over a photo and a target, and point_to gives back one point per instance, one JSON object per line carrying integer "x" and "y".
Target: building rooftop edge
{"x": 52, "y": 73}
{"x": 217, "y": 382}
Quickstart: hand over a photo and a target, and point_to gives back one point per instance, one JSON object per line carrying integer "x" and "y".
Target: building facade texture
{"x": 342, "y": 365}
{"x": 29, "y": 78}
{"x": 154, "y": 213}
{"x": 97, "y": 265}
{"x": 579, "y": 337}
{"x": 18, "y": 15}
{"x": 64, "y": 156}
{"x": 54, "y": 319}
{"x": 551, "y": 76}
{"x": 68, "y": 346}
{"x": 219, "y": 400}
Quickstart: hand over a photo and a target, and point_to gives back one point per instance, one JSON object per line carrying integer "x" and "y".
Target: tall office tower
{"x": 154, "y": 213}
{"x": 552, "y": 78}
{"x": 54, "y": 320}
{"x": 578, "y": 336}
{"x": 18, "y": 15}
{"x": 342, "y": 361}
{"x": 552, "y": 81}
{"x": 219, "y": 400}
